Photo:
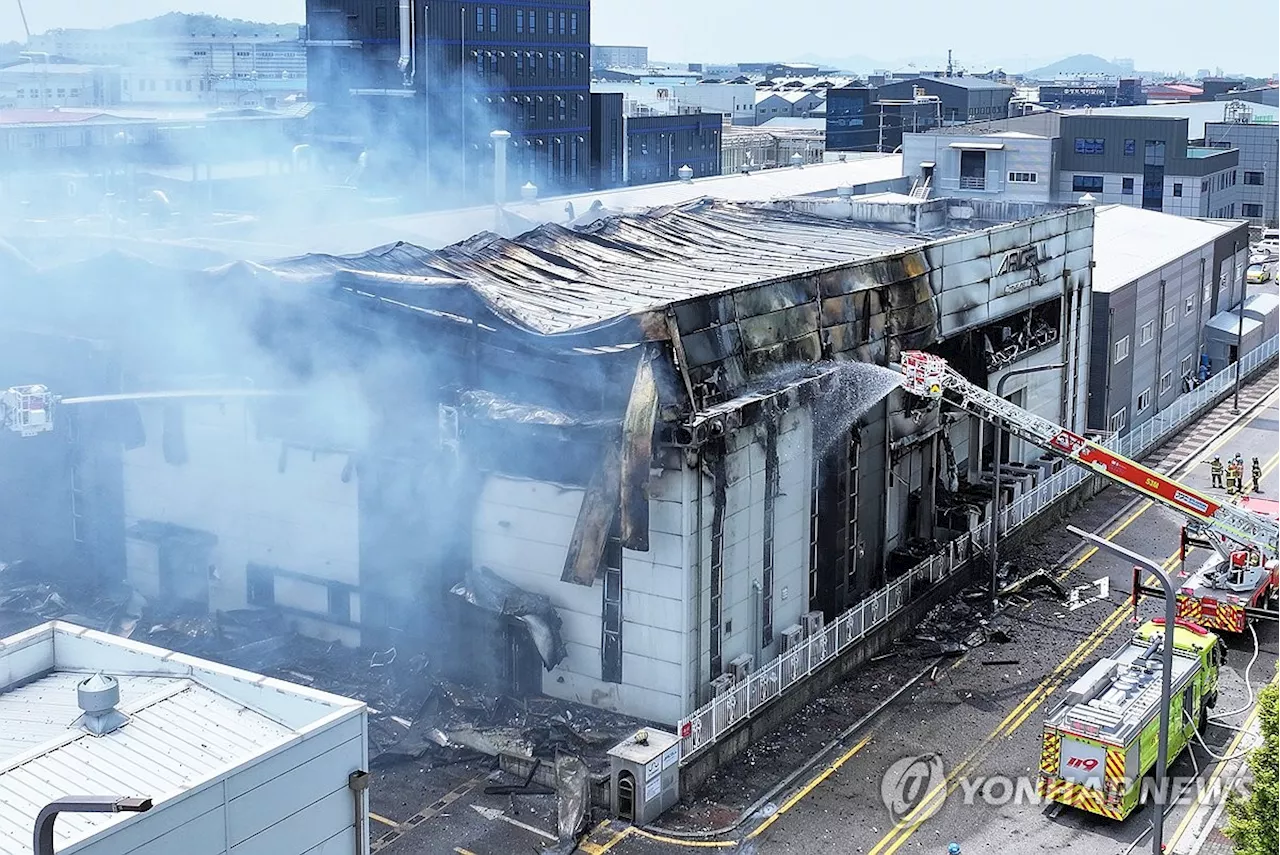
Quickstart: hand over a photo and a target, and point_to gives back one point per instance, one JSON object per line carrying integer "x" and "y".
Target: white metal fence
{"x": 707, "y": 724}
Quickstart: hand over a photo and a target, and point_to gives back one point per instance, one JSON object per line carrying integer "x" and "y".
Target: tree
{"x": 1254, "y": 824}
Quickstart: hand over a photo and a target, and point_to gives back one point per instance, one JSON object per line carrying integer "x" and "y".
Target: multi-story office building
{"x": 422, "y": 96}
{"x": 619, "y": 56}
{"x": 1259, "y": 145}
{"x": 1132, "y": 159}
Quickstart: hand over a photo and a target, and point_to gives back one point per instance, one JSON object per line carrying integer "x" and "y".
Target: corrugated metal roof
{"x": 555, "y": 280}
{"x": 1129, "y": 242}
{"x": 182, "y": 736}
{"x": 35, "y": 713}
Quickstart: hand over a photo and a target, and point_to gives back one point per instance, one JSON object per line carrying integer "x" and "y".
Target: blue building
{"x": 421, "y": 96}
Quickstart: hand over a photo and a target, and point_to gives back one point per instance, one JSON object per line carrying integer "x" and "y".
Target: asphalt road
{"x": 982, "y": 719}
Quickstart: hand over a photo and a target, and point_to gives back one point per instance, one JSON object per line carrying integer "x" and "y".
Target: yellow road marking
{"x": 382, "y": 819}
{"x": 807, "y": 788}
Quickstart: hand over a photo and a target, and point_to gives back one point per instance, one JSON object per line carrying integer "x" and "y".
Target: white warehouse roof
{"x": 192, "y": 724}
{"x": 1129, "y": 242}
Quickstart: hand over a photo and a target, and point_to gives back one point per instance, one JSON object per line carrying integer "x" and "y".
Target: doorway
{"x": 973, "y": 170}
{"x": 626, "y": 797}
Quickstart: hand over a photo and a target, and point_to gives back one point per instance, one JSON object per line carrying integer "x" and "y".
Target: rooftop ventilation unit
{"x": 98, "y": 696}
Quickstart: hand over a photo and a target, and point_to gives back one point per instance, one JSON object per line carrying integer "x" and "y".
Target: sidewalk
{"x": 1203, "y": 831}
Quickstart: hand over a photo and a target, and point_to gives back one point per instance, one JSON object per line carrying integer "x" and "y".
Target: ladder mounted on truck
{"x": 929, "y": 376}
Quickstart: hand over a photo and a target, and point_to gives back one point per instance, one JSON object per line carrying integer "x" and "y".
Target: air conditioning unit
{"x": 741, "y": 666}
{"x": 812, "y": 623}
{"x": 722, "y": 685}
{"x": 790, "y": 638}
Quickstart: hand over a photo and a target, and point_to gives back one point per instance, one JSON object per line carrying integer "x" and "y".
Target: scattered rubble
{"x": 414, "y": 714}
{"x": 1040, "y": 579}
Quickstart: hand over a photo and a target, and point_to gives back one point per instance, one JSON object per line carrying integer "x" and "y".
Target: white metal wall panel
{"x": 303, "y": 519}
{"x": 305, "y": 783}
{"x": 301, "y": 830}
{"x": 161, "y": 827}
{"x": 204, "y": 833}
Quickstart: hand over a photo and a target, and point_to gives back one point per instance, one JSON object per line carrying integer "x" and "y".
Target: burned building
{"x": 607, "y": 464}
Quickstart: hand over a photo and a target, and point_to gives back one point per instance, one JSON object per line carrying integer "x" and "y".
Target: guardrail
{"x": 708, "y": 723}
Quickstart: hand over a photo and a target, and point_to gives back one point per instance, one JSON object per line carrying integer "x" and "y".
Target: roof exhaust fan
{"x": 98, "y": 696}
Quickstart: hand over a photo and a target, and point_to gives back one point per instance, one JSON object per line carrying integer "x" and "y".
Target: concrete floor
{"x": 983, "y": 720}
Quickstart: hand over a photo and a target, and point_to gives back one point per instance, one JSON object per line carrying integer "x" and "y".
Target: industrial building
{"x": 771, "y": 145}
{"x": 735, "y": 101}
{"x": 45, "y": 85}
{"x": 964, "y": 99}
{"x": 421, "y": 93}
{"x": 217, "y": 759}
{"x": 859, "y": 119}
{"x": 645, "y": 143}
{"x": 663, "y": 433}
{"x": 619, "y": 56}
{"x": 1259, "y": 145}
{"x": 1138, "y": 159}
{"x": 1159, "y": 281}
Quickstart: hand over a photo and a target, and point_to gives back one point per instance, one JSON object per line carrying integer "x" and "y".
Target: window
{"x": 1090, "y": 145}
{"x": 1255, "y": 178}
{"x": 1184, "y": 367}
{"x": 1166, "y": 382}
{"x": 1122, "y": 351}
{"x": 339, "y": 602}
{"x": 560, "y": 62}
{"x": 1119, "y": 420}
{"x": 1177, "y": 189}
{"x": 479, "y": 19}
{"x": 1148, "y": 333}
{"x": 519, "y": 20}
{"x": 260, "y": 585}
{"x": 1190, "y": 306}
{"x": 1170, "y": 317}
{"x": 1204, "y": 185}
{"x": 563, "y": 18}
{"x": 493, "y": 19}
{"x": 479, "y": 62}
{"x": 1233, "y": 178}
{"x": 1126, "y": 186}
{"x": 1250, "y": 210}
{"x": 1086, "y": 183}
{"x": 1023, "y": 178}
{"x": 1130, "y": 148}
{"x": 551, "y": 23}
{"x": 1144, "y": 399}
{"x": 519, "y": 63}
{"x": 573, "y": 23}
{"x": 533, "y": 22}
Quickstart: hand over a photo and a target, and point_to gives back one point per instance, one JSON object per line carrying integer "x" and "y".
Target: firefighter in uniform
{"x": 1215, "y": 472}
{"x": 1233, "y": 478}
{"x": 1257, "y": 476}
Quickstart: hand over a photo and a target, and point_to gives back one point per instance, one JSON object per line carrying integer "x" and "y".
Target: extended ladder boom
{"x": 929, "y": 376}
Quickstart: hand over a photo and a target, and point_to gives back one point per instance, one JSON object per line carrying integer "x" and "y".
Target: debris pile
{"x": 413, "y": 712}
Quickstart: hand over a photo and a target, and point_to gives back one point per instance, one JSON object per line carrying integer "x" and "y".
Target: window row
{"x": 527, "y": 63}
{"x": 562, "y": 23}
{"x": 1023, "y": 178}
{"x": 532, "y": 108}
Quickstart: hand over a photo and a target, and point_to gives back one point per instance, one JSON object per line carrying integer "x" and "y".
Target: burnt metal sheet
{"x": 773, "y": 296}
{"x": 637, "y": 454}
{"x": 767, "y": 330}
{"x": 712, "y": 344}
{"x": 805, "y": 349}
{"x": 595, "y": 519}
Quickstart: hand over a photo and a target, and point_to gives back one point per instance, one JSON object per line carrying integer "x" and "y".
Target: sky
{"x": 1186, "y": 35}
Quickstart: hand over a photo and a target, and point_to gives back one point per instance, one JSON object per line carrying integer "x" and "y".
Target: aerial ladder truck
{"x": 1240, "y": 578}
{"x": 1100, "y": 741}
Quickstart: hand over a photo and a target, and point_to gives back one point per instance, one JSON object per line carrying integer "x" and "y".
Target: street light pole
{"x": 42, "y": 843}
{"x": 1244, "y": 288}
{"x": 1166, "y": 671}
{"x": 998, "y": 429}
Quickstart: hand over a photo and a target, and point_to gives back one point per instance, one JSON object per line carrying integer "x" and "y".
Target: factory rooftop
{"x": 191, "y": 723}
{"x": 555, "y": 280}
{"x": 1129, "y": 242}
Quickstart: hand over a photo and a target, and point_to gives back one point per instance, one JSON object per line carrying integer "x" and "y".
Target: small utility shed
{"x": 1157, "y": 281}
{"x": 234, "y": 762}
